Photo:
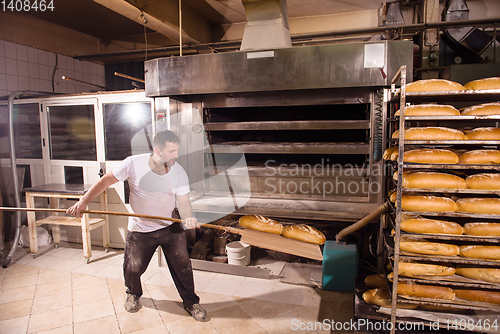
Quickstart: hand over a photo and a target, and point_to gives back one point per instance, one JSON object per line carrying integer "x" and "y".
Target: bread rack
{"x": 401, "y": 97}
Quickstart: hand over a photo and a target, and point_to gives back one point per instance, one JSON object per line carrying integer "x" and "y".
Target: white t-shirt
{"x": 150, "y": 193}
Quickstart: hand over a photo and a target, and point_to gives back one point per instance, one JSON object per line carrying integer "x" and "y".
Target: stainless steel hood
{"x": 308, "y": 67}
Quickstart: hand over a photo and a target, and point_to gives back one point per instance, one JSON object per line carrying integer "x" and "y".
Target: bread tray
{"x": 446, "y": 96}
{"x": 449, "y": 166}
{"x": 452, "y": 214}
{"x": 451, "y": 191}
{"x": 459, "y": 304}
{"x": 447, "y": 259}
{"x": 451, "y": 281}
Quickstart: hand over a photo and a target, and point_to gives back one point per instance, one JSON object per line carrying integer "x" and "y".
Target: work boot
{"x": 197, "y": 312}
{"x": 132, "y": 304}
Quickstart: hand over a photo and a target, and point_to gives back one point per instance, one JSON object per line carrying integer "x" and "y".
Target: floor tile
{"x": 230, "y": 318}
{"x": 15, "y": 325}
{"x": 145, "y": 318}
{"x": 107, "y": 324}
{"x": 15, "y": 309}
{"x": 13, "y": 282}
{"x": 50, "y": 320}
{"x": 52, "y": 302}
{"x": 18, "y": 294}
{"x": 222, "y": 285}
{"x": 189, "y": 325}
{"x": 93, "y": 310}
{"x": 51, "y": 288}
{"x": 91, "y": 294}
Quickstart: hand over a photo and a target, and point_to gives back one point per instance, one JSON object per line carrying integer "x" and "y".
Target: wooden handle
{"x": 219, "y": 227}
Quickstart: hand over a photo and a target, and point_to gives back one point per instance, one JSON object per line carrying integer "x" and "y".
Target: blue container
{"x": 340, "y": 266}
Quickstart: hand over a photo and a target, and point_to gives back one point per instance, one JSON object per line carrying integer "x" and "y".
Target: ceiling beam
{"x": 164, "y": 18}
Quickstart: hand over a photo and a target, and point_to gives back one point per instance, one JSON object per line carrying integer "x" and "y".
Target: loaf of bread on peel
{"x": 485, "y": 109}
{"x": 431, "y": 156}
{"x": 305, "y": 233}
{"x": 428, "y": 248}
{"x": 430, "y": 226}
{"x": 486, "y": 252}
{"x": 485, "y": 181}
{"x": 412, "y": 269}
{"x": 261, "y": 223}
{"x": 482, "y": 296}
{"x": 431, "y": 133}
{"x": 489, "y": 206}
{"x": 480, "y": 157}
{"x": 425, "y": 291}
{"x": 491, "y": 275}
{"x": 483, "y": 84}
{"x": 488, "y": 133}
{"x": 482, "y": 229}
{"x": 430, "y": 110}
{"x": 433, "y": 180}
{"x": 433, "y": 85}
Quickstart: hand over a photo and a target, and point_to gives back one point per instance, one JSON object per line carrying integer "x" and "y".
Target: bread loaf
{"x": 480, "y": 157}
{"x": 431, "y": 156}
{"x": 480, "y": 252}
{"x": 388, "y": 154}
{"x": 376, "y": 281}
{"x": 433, "y": 180}
{"x": 430, "y": 226}
{"x": 412, "y": 269}
{"x": 430, "y": 110}
{"x": 261, "y": 223}
{"x": 483, "y": 84}
{"x": 483, "y": 134}
{"x": 491, "y": 275}
{"x": 305, "y": 233}
{"x": 489, "y": 206}
{"x": 485, "y": 181}
{"x": 482, "y": 296}
{"x": 427, "y": 203}
{"x": 429, "y": 248}
{"x": 433, "y": 85}
{"x": 482, "y": 110}
{"x": 482, "y": 229}
{"x": 381, "y": 297}
{"x": 425, "y": 291}
{"x": 431, "y": 133}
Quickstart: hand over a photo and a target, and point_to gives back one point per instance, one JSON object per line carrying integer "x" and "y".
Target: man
{"x": 156, "y": 182}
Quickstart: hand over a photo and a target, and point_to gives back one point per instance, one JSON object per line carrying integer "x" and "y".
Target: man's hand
{"x": 190, "y": 223}
{"x": 75, "y": 210}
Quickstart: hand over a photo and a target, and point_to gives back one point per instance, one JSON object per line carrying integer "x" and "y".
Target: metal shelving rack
{"x": 402, "y": 97}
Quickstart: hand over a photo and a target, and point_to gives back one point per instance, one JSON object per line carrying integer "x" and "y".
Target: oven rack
{"x": 451, "y": 191}
{"x": 457, "y": 96}
{"x": 452, "y": 214}
{"x": 414, "y": 165}
{"x": 458, "y": 118}
{"x": 464, "y": 143}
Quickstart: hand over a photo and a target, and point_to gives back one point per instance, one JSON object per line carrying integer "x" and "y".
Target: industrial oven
{"x": 293, "y": 133}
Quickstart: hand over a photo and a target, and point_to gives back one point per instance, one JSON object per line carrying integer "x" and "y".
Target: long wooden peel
{"x": 255, "y": 238}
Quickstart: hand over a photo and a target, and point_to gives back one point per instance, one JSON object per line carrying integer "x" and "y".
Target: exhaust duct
{"x": 266, "y": 25}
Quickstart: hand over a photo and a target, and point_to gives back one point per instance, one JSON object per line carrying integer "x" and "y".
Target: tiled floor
{"x": 59, "y": 293}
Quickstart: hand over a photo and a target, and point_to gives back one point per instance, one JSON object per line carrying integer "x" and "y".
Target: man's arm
{"x": 104, "y": 183}
{"x": 186, "y": 211}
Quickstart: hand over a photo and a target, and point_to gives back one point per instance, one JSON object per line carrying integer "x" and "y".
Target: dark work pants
{"x": 140, "y": 248}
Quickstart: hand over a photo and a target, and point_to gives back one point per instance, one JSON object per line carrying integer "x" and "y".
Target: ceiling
{"x": 201, "y": 18}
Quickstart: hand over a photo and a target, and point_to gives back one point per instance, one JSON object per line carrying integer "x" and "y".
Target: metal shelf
{"x": 289, "y": 125}
{"x": 452, "y": 191}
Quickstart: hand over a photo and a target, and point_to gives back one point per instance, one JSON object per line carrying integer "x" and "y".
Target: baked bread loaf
{"x": 485, "y": 181}
{"x": 433, "y": 85}
{"x": 430, "y": 226}
{"x": 433, "y": 180}
{"x": 491, "y": 275}
{"x": 484, "y": 109}
{"x": 483, "y": 134}
{"x": 431, "y": 133}
{"x": 483, "y": 84}
{"x": 489, "y": 206}
{"x": 391, "y": 153}
{"x": 427, "y": 203}
{"x": 376, "y": 281}
{"x": 381, "y": 297}
{"x": 430, "y": 110}
{"x": 261, "y": 223}
{"x": 482, "y": 229}
{"x": 480, "y": 157}
{"x": 412, "y": 269}
{"x": 305, "y": 233}
{"x": 428, "y": 248}
{"x": 480, "y": 252}
{"x": 431, "y": 156}
{"x": 482, "y": 296}
{"x": 425, "y": 291}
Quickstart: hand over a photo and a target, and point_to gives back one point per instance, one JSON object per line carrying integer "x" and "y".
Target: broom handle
{"x": 115, "y": 214}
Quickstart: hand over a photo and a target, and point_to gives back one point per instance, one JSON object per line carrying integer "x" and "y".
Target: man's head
{"x": 166, "y": 147}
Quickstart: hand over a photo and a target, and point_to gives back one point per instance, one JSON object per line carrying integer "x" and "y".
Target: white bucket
{"x": 238, "y": 253}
